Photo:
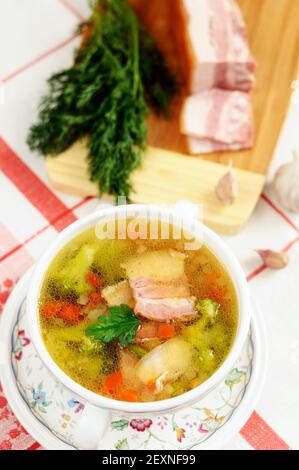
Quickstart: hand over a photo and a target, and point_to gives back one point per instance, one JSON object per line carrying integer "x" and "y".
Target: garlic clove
{"x": 274, "y": 259}
{"x": 286, "y": 184}
{"x": 226, "y": 189}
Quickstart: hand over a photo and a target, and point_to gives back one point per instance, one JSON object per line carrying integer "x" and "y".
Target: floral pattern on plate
{"x": 59, "y": 409}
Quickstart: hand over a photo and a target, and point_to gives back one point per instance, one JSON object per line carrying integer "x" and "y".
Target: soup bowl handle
{"x": 91, "y": 428}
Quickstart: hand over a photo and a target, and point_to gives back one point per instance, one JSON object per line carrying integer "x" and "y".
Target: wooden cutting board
{"x": 166, "y": 176}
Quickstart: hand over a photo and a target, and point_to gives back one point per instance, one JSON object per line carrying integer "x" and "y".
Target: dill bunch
{"x": 117, "y": 73}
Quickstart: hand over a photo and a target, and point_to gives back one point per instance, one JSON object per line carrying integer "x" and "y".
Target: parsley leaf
{"x": 122, "y": 324}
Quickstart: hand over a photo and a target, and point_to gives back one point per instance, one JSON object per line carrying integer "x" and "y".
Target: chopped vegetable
{"x": 95, "y": 298}
{"x": 93, "y": 279}
{"x": 70, "y": 313}
{"x": 51, "y": 309}
{"x": 121, "y": 324}
{"x": 137, "y": 350}
{"x": 128, "y": 394}
{"x": 72, "y": 276}
{"x": 208, "y": 309}
{"x": 113, "y": 380}
{"x": 89, "y": 345}
{"x": 165, "y": 330}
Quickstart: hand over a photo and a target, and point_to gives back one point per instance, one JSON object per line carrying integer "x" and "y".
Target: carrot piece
{"x": 166, "y": 330}
{"x": 113, "y": 380}
{"x": 151, "y": 385}
{"x": 70, "y": 313}
{"x": 95, "y": 298}
{"x": 128, "y": 394}
{"x": 52, "y": 309}
{"x": 93, "y": 279}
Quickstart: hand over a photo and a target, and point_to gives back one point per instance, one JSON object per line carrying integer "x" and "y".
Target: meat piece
{"x": 197, "y": 146}
{"x": 160, "y": 286}
{"x": 166, "y": 309}
{"x": 158, "y": 289}
{"x": 212, "y": 45}
{"x": 217, "y": 120}
{"x": 120, "y": 293}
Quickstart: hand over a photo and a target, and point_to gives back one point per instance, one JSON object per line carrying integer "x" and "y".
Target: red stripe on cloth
{"x": 58, "y": 222}
{"x": 32, "y": 186}
{"x": 7, "y": 241}
{"x": 34, "y": 446}
{"x": 11, "y": 270}
{"x": 72, "y": 9}
{"x": 262, "y": 268}
{"x": 256, "y": 272}
{"x": 280, "y": 212}
{"x": 261, "y": 436}
{"x": 39, "y": 59}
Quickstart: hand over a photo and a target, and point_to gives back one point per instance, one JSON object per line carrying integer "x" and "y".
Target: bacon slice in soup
{"x": 160, "y": 286}
{"x": 166, "y": 309}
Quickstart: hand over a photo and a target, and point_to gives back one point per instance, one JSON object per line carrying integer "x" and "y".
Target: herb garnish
{"x": 117, "y": 71}
{"x": 122, "y": 324}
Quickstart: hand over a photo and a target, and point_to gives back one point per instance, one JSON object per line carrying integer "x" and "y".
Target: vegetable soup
{"x": 137, "y": 320}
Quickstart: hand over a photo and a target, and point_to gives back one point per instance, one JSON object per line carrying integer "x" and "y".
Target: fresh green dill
{"x": 118, "y": 71}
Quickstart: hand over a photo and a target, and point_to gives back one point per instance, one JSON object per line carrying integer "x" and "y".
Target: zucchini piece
{"x": 72, "y": 277}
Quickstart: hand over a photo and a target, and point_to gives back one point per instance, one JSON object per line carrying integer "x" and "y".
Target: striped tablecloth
{"x": 37, "y": 39}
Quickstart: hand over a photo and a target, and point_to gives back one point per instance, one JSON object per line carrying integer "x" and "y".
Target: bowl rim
{"x": 211, "y": 240}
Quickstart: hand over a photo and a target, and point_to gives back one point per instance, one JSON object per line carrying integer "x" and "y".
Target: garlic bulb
{"x": 226, "y": 189}
{"x": 274, "y": 259}
{"x": 286, "y": 184}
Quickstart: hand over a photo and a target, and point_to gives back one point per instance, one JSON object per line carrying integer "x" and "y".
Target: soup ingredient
{"x": 95, "y": 298}
{"x": 166, "y": 330}
{"x": 212, "y": 45}
{"x": 274, "y": 259}
{"x": 165, "y": 363}
{"x": 120, "y": 293}
{"x": 286, "y": 184}
{"x": 75, "y": 273}
{"x": 160, "y": 286}
{"x": 121, "y": 324}
{"x": 156, "y": 265}
{"x": 113, "y": 380}
{"x": 137, "y": 350}
{"x": 128, "y": 394}
{"x": 217, "y": 120}
{"x": 226, "y": 189}
{"x": 208, "y": 309}
{"x": 93, "y": 279}
{"x": 166, "y": 309}
{"x": 51, "y": 309}
{"x": 68, "y": 312}
{"x": 148, "y": 330}
{"x": 103, "y": 96}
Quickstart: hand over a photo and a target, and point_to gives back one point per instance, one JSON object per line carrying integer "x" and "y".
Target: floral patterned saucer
{"x": 50, "y": 412}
